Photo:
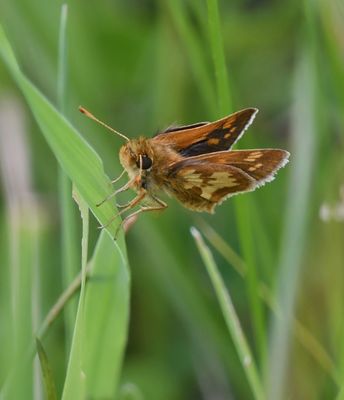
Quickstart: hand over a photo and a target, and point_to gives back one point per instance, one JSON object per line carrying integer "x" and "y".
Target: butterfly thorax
{"x": 147, "y": 163}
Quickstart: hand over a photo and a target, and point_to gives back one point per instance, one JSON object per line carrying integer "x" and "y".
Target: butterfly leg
{"x": 119, "y": 177}
{"x": 160, "y": 206}
{"x": 160, "y": 202}
{"x": 122, "y": 205}
{"x": 131, "y": 204}
{"x": 120, "y": 190}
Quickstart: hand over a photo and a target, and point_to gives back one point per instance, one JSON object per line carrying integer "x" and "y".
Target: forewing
{"x": 183, "y": 127}
{"x": 201, "y": 186}
{"x": 259, "y": 164}
{"x": 209, "y": 137}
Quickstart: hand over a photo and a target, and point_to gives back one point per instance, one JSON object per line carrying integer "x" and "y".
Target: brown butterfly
{"x": 193, "y": 163}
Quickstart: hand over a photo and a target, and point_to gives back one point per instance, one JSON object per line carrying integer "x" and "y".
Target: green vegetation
{"x": 250, "y": 304}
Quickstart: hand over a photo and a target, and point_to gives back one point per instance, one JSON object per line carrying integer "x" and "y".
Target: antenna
{"x": 91, "y": 116}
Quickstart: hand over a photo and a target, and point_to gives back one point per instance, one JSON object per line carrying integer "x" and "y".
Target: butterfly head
{"x": 136, "y": 157}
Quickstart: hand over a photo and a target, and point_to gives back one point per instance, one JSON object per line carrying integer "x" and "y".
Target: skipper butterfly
{"x": 193, "y": 163}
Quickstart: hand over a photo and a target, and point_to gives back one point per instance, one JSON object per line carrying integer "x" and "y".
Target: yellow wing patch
{"x": 217, "y": 180}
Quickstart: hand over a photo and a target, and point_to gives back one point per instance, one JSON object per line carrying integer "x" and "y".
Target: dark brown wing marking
{"x": 211, "y": 137}
{"x": 182, "y": 127}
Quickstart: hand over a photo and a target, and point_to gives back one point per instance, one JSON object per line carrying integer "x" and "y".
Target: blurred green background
{"x": 141, "y": 65}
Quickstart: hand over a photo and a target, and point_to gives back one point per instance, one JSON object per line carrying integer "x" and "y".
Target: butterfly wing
{"x": 260, "y": 164}
{"x": 203, "y": 182}
{"x": 183, "y": 127}
{"x": 206, "y": 138}
{"x": 201, "y": 186}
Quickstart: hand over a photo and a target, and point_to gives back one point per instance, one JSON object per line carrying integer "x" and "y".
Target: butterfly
{"x": 194, "y": 164}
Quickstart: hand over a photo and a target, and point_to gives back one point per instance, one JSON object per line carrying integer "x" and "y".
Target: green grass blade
{"x": 303, "y": 335}
{"x": 244, "y": 218}
{"x": 75, "y": 383}
{"x": 303, "y": 150}
{"x": 195, "y": 52}
{"x": 85, "y": 169}
{"x": 242, "y": 204}
{"x": 70, "y": 245}
{"x": 69, "y": 241}
{"x": 59, "y": 305}
{"x": 76, "y": 157}
{"x": 231, "y": 317}
{"x": 19, "y": 382}
{"x": 101, "y": 324}
{"x": 106, "y": 323}
{"x": 23, "y": 229}
{"x": 224, "y": 249}
{"x": 62, "y": 60}
{"x": 216, "y": 42}
{"x": 48, "y": 380}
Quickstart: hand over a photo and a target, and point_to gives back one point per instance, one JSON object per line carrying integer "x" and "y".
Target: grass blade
{"x": 302, "y": 334}
{"x": 231, "y": 317}
{"x": 22, "y": 226}
{"x": 69, "y": 243}
{"x": 76, "y": 157}
{"x": 59, "y": 305}
{"x": 242, "y": 205}
{"x": 216, "y": 42}
{"x": 106, "y": 323}
{"x": 195, "y": 53}
{"x": 75, "y": 385}
{"x": 303, "y": 149}
{"x": 85, "y": 169}
{"x": 62, "y": 60}
{"x": 48, "y": 379}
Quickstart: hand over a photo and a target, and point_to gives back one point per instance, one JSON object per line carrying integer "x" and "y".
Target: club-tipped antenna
{"x": 91, "y": 116}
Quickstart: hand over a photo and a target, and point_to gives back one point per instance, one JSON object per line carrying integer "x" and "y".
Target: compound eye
{"x": 146, "y": 162}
